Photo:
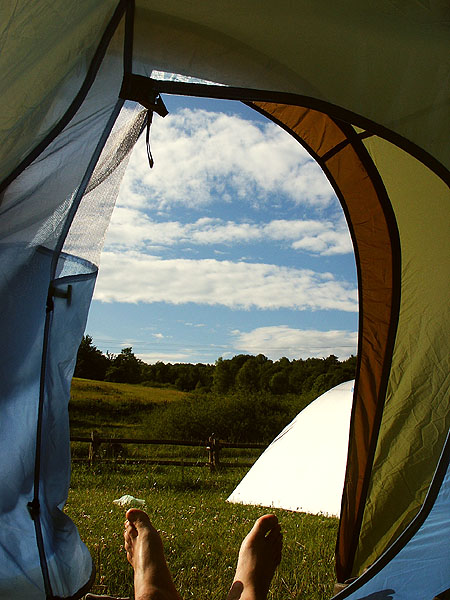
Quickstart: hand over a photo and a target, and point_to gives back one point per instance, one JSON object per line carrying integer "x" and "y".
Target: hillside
{"x": 116, "y": 409}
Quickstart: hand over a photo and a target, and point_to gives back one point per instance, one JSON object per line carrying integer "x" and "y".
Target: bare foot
{"x": 145, "y": 553}
{"x": 259, "y": 556}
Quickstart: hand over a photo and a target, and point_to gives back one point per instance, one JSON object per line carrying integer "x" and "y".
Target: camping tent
{"x": 362, "y": 85}
{"x": 303, "y": 469}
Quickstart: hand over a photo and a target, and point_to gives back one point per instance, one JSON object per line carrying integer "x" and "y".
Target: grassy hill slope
{"x": 116, "y": 409}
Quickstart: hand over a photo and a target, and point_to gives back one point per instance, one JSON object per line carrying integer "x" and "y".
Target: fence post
{"x": 93, "y": 447}
{"x": 214, "y": 450}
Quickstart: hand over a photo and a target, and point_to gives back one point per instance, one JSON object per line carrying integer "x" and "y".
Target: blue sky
{"x": 233, "y": 243}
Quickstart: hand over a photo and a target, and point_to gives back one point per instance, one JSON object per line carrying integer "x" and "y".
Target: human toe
{"x": 274, "y": 533}
{"x": 265, "y": 524}
{"x": 138, "y": 518}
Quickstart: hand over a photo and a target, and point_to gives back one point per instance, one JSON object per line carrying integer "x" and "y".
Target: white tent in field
{"x": 303, "y": 469}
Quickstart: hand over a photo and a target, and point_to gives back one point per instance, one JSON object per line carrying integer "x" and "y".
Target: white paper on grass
{"x": 303, "y": 469}
{"x": 129, "y": 501}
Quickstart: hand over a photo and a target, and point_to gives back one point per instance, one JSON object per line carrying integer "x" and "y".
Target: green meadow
{"x": 201, "y": 531}
{"x": 116, "y": 409}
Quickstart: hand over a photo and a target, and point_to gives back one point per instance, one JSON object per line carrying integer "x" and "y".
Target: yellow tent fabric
{"x": 416, "y": 413}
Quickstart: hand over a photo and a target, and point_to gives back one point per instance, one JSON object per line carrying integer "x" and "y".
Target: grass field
{"x": 200, "y": 530}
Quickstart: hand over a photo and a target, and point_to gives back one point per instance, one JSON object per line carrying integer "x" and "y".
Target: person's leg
{"x": 259, "y": 556}
{"x": 143, "y": 544}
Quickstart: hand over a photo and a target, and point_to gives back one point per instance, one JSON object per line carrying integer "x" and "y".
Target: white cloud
{"x": 201, "y": 156}
{"x": 172, "y": 357}
{"x": 133, "y": 229}
{"x": 276, "y": 341}
{"x": 133, "y": 277}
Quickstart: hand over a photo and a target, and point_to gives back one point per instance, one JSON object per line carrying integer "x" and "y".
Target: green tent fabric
{"x": 365, "y": 88}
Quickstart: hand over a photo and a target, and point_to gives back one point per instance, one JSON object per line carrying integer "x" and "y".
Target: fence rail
{"x": 212, "y": 445}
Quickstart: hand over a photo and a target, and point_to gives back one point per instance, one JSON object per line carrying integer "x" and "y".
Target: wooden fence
{"x": 212, "y": 445}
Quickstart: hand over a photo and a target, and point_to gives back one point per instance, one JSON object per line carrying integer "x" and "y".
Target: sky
{"x": 233, "y": 243}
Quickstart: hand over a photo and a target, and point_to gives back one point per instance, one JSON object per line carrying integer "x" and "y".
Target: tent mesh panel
{"x": 87, "y": 232}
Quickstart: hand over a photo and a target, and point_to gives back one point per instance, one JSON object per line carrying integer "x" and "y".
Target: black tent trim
{"x": 344, "y": 143}
{"x": 140, "y": 89}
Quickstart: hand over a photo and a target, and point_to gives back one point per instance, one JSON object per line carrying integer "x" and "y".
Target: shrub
{"x": 237, "y": 417}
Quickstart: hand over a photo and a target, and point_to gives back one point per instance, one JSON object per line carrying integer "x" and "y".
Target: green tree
{"x": 248, "y": 377}
{"x": 125, "y": 368}
{"x": 223, "y": 378}
{"x": 91, "y": 362}
{"x": 349, "y": 367}
{"x": 321, "y": 384}
{"x": 297, "y": 375}
{"x": 279, "y": 383}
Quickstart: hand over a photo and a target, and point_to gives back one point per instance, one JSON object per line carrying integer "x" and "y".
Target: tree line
{"x": 243, "y": 372}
